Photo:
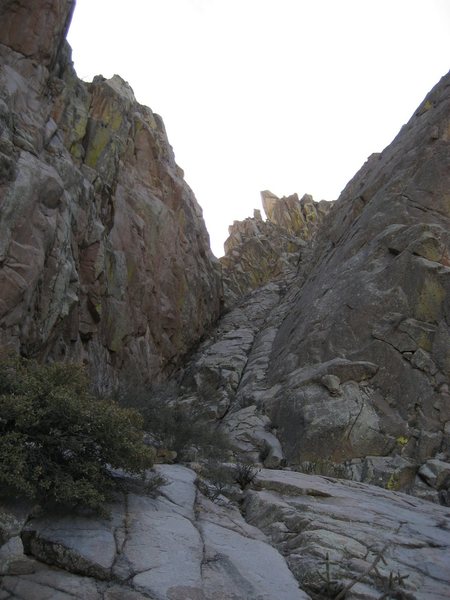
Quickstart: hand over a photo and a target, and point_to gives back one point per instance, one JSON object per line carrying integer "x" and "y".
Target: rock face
{"x": 361, "y": 360}
{"x": 257, "y": 251}
{"x": 333, "y": 355}
{"x": 104, "y": 255}
{"x": 353, "y": 539}
{"x": 299, "y": 217}
{"x": 36, "y": 29}
{"x": 294, "y": 528}
{"x": 346, "y": 361}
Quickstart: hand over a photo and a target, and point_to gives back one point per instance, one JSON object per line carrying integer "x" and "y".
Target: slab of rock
{"x": 366, "y": 536}
{"x": 239, "y": 567}
{"x": 294, "y": 528}
{"x": 236, "y": 351}
{"x": 177, "y": 546}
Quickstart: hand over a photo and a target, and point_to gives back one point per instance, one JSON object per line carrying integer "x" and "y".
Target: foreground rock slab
{"x": 370, "y": 541}
{"x": 294, "y": 536}
{"x": 177, "y": 546}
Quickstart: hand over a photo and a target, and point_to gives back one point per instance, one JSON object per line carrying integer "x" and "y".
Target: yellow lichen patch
{"x": 424, "y": 108}
{"x": 117, "y": 329}
{"x": 79, "y": 126}
{"x": 431, "y": 298}
{"x": 429, "y": 248}
{"x": 116, "y": 121}
{"x": 393, "y": 482}
{"x": 76, "y": 150}
{"x": 424, "y": 341}
{"x": 96, "y": 146}
{"x": 402, "y": 440}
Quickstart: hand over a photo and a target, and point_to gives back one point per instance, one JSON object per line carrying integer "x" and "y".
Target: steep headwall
{"x": 104, "y": 255}
{"x": 361, "y": 362}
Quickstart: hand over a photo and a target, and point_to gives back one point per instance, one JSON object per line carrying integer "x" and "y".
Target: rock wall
{"x": 361, "y": 363}
{"x": 341, "y": 365}
{"x": 333, "y": 355}
{"x": 104, "y": 255}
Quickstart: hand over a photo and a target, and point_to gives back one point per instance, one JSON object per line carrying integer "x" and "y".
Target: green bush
{"x": 58, "y": 442}
{"x": 176, "y": 426}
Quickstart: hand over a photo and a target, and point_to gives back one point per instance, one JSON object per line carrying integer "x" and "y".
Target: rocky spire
{"x": 259, "y": 251}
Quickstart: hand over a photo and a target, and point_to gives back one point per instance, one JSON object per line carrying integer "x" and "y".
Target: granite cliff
{"x": 104, "y": 255}
{"x": 351, "y": 346}
{"x": 320, "y": 344}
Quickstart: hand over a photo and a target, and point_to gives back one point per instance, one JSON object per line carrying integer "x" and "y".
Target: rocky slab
{"x": 177, "y": 546}
{"x": 297, "y": 536}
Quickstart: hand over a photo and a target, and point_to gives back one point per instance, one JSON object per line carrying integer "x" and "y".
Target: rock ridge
{"x": 353, "y": 347}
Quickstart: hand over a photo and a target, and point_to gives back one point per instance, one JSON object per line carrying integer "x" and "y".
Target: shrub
{"x": 245, "y": 474}
{"x": 176, "y": 426}
{"x": 57, "y": 441}
{"x": 220, "y": 478}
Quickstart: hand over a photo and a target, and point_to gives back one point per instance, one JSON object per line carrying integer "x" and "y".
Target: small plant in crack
{"x": 264, "y": 451}
{"x": 219, "y": 479}
{"x": 153, "y": 484}
{"x": 392, "y": 587}
{"x": 329, "y": 587}
{"x": 245, "y": 474}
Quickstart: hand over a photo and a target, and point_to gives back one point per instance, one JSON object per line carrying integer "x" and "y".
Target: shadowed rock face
{"x": 104, "y": 255}
{"x": 372, "y": 310}
{"x": 35, "y": 29}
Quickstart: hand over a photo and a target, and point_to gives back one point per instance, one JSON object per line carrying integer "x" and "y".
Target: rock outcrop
{"x": 176, "y": 546}
{"x": 345, "y": 361}
{"x": 297, "y": 535}
{"x": 333, "y": 354}
{"x": 104, "y": 255}
{"x": 258, "y": 251}
{"x": 362, "y": 357}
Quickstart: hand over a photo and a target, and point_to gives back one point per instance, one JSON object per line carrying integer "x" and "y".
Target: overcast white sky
{"x": 286, "y": 95}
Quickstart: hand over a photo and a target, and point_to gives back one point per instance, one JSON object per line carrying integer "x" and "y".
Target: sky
{"x": 286, "y": 95}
